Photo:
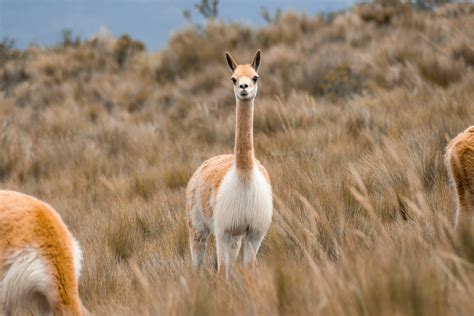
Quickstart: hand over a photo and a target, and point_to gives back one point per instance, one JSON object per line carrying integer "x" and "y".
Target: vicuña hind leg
{"x": 252, "y": 244}
{"x": 198, "y": 241}
{"x": 228, "y": 247}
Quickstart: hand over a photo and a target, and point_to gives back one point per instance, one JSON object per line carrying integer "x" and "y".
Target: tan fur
{"x": 244, "y": 154}
{"x": 26, "y": 222}
{"x": 459, "y": 161}
{"x": 244, "y": 71}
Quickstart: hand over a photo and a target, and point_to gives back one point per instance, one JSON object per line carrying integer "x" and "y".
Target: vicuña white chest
{"x": 243, "y": 205}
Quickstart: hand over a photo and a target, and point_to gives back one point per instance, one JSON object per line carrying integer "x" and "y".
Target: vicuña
{"x": 40, "y": 261}
{"x": 459, "y": 161}
{"x": 231, "y": 195}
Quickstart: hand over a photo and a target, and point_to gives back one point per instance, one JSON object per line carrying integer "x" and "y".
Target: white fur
{"x": 243, "y": 205}
{"x": 243, "y": 210}
{"x": 77, "y": 256}
{"x": 251, "y": 90}
{"x": 26, "y": 274}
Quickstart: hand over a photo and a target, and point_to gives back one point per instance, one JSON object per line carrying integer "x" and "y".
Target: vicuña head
{"x": 459, "y": 161}
{"x": 40, "y": 261}
{"x": 231, "y": 195}
{"x": 244, "y": 77}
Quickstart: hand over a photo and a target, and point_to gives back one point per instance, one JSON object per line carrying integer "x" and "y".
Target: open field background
{"x": 354, "y": 112}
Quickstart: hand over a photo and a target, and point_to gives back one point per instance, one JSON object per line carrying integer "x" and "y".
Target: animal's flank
{"x": 40, "y": 260}
{"x": 459, "y": 160}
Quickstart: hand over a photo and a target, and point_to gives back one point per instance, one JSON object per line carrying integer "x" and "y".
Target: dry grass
{"x": 352, "y": 121}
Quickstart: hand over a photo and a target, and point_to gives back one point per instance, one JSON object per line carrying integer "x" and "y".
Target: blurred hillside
{"x": 360, "y": 51}
{"x": 354, "y": 112}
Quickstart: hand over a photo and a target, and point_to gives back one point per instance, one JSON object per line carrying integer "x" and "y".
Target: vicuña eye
{"x": 255, "y": 79}
{"x": 233, "y": 80}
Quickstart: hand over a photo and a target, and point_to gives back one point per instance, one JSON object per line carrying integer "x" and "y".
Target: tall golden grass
{"x": 352, "y": 120}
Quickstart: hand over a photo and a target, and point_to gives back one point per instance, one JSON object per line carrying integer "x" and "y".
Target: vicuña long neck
{"x": 244, "y": 155}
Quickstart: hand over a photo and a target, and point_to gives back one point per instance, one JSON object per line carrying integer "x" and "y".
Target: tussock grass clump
{"x": 353, "y": 115}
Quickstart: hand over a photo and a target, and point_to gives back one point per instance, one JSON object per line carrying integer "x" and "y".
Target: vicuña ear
{"x": 230, "y": 61}
{"x": 256, "y": 60}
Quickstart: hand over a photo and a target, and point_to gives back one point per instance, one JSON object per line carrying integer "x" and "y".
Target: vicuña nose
{"x": 244, "y": 86}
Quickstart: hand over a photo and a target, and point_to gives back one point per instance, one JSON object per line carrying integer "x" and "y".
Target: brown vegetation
{"x": 352, "y": 121}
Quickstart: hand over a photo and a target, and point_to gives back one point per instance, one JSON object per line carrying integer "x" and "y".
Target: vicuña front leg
{"x": 252, "y": 243}
{"x": 228, "y": 247}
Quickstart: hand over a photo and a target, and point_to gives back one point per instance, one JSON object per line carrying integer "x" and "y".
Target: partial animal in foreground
{"x": 459, "y": 160}
{"x": 40, "y": 261}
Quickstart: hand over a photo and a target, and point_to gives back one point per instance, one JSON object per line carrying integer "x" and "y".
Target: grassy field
{"x": 354, "y": 113}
